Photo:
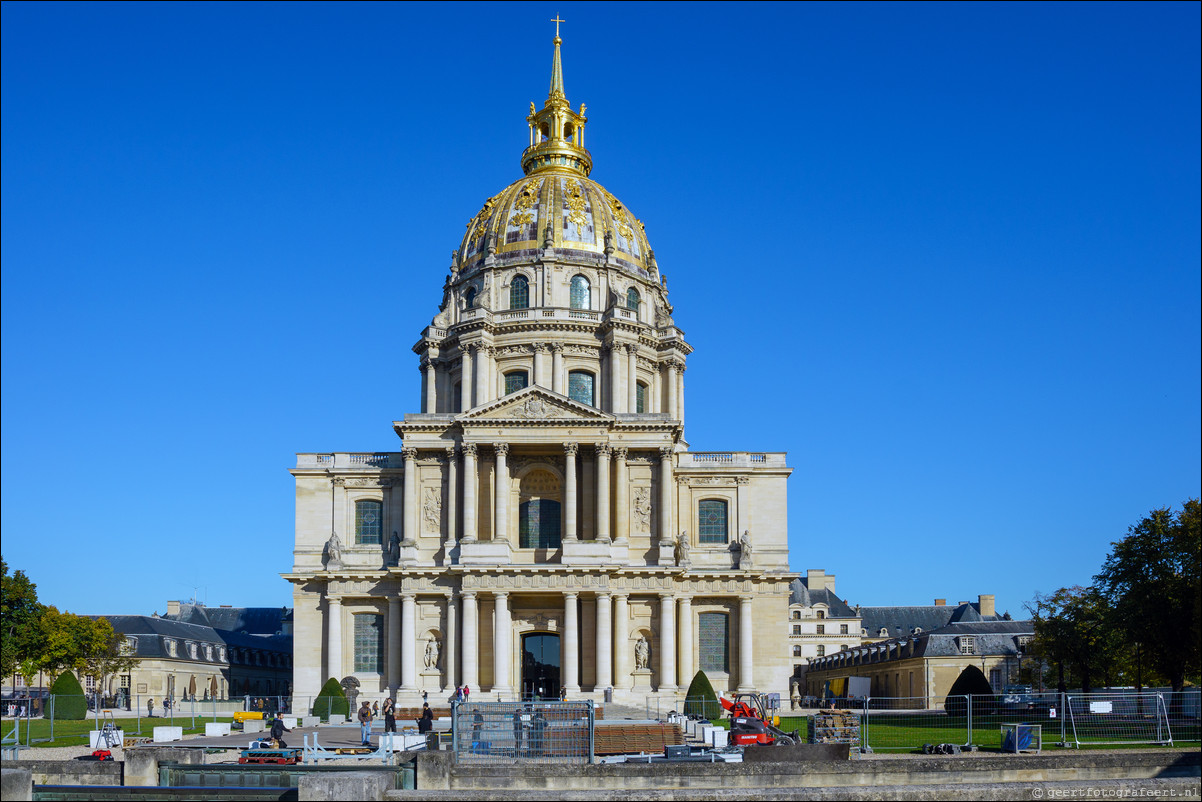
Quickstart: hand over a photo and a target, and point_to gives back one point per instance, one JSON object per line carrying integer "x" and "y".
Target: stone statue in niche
{"x": 394, "y": 549}
{"x": 333, "y": 551}
{"x": 682, "y": 548}
{"x": 745, "y": 549}
{"x": 642, "y": 654}
{"x": 433, "y": 649}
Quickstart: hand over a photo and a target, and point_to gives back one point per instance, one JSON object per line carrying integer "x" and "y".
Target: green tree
{"x": 331, "y": 700}
{"x": 1074, "y": 631}
{"x": 105, "y": 654}
{"x": 20, "y": 617}
{"x": 1154, "y": 575}
{"x": 69, "y": 701}
{"x": 700, "y": 699}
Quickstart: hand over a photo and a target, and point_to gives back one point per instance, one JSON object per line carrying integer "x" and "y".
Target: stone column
{"x": 501, "y": 639}
{"x": 680, "y": 392}
{"x": 471, "y": 642}
{"x": 450, "y": 651}
{"x": 430, "y": 383}
{"x": 491, "y": 392}
{"x": 557, "y": 368}
{"x": 621, "y": 494}
{"x": 571, "y": 644}
{"x": 603, "y": 452}
{"x": 470, "y": 481}
{"x": 482, "y": 389}
{"x": 665, "y": 495}
{"x": 670, "y": 381}
{"x": 746, "y": 655}
{"x": 667, "y": 642}
{"x": 621, "y": 645}
{"x": 617, "y": 398}
{"x": 604, "y": 643}
{"x": 411, "y": 517}
{"x": 394, "y": 644}
{"x": 569, "y": 490}
{"x": 632, "y": 377}
{"x": 502, "y": 500}
{"x": 408, "y": 642}
{"x": 540, "y": 365}
{"x": 449, "y": 502}
{"x": 465, "y": 378}
{"x": 334, "y": 637}
{"x": 685, "y": 671}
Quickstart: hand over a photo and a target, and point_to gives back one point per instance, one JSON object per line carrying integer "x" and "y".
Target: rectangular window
{"x": 968, "y": 646}
{"x": 822, "y": 629}
{"x": 369, "y": 522}
{"x": 821, "y": 650}
{"x": 713, "y": 642}
{"x": 640, "y": 398}
{"x": 515, "y": 381}
{"x": 580, "y": 387}
{"x": 797, "y": 629}
{"x": 369, "y": 644}
{"x": 843, "y": 629}
{"x": 711, "y": 526}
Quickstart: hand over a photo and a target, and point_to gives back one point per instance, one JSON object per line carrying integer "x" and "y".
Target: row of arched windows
{"x": 580, "y": 296}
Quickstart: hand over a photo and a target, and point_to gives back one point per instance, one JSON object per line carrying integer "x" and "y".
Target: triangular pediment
{"x": 536, "y": 405}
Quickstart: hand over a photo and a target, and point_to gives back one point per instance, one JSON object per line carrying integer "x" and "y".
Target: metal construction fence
{"x": 504, "y": 732}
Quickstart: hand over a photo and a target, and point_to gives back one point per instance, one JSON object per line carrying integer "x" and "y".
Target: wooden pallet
{"x": 271, "y": 756}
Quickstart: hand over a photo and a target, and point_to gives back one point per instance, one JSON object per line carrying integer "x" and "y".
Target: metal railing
{"x": 502, "y": 732}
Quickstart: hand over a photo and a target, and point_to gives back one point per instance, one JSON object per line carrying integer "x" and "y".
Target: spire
{"x": 557, "y": 92}
{"x": 556, "y": 132}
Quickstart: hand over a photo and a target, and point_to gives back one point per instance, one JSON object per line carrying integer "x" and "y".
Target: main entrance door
{"x": 540, "y": 666}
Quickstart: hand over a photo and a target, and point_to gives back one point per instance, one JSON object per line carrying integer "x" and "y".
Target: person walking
{"x": 277, "y": 732}
{"x": 389, "y": 710}
{"x": 517, "y": 733}
{"x": 375, "y": 708}
{"x": 365, "y": 722}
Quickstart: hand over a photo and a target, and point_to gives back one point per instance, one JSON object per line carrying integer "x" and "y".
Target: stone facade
{"x": 544, "y": 525}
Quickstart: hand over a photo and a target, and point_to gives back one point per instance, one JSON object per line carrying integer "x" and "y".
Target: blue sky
{"x": 946, "y": 256}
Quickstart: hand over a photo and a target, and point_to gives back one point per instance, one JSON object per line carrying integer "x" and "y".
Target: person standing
{"x": 150, "y": 708}
{"x": 389, "y": 710}
{"x": 277, "y": 732}
{"x": 426, "y": 723}
{"x": 365, "y": 722}
{"x": 517, "y": 733}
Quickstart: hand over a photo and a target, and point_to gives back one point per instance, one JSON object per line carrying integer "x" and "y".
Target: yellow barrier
{"x": 241, "y": 716}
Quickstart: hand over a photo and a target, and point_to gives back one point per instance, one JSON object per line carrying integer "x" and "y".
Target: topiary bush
{"x": 70, "y": 704}
{"x": 700, "y": 699}
{"x": 331, "y": 700}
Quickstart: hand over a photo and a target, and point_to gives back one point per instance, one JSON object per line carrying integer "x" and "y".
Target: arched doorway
{"x": 540, "y": 666}
{"x": 539, "y": 511}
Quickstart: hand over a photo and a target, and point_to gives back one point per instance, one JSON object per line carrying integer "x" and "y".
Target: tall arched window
{"x": 640, "y": 397}
{"x": 713, "y": 637}
{"x": 519, "y": 293}
{"x": 580, "y": 387}
{"x": 711, "y": 515}
{"x": 632, "y": 299}
{"x": 515, "y": 380}
{"x": 369, "y": 522}
{"x": 580, "y": 293}
{"x": 469, "y": 298}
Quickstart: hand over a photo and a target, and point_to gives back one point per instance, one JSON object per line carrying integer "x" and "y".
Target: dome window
{"x": 632, "y": 299}
{"x": 519, "y": 293}
{"x": 469, "y": 298}
{"x": 640, "y": 398}
{"x": 580, "y": 293}
{"x": 580, "y": 387}
{"x": 515, "y": 380}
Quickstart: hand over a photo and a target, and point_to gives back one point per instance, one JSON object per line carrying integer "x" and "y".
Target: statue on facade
{"x": 432, "y": 651}
{"x": 394, "y": 549}
{"x": 333, "y": 551}
{"x": 642, "y": 654}
{"x": 745, "y": 549}
{"x": 682, "y": 548}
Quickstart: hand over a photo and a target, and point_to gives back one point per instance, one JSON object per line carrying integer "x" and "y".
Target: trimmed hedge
{"x": 700, "y": 699}
{"x": 69, "y": 701}
{"x": 331, "y": 700}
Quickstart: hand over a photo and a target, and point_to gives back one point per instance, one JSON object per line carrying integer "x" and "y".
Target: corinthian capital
{"x": 501, "y": 448}
{"x": 469, "y": 450}
{"x": 602, "y": 449}
{"x": 571, "y": 449}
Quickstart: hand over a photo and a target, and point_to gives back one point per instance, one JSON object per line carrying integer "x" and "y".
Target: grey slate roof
{"x": 251, "y": 620}
{"x": 902, "y": 620}
{"x": 150, "y": 632}
{"x": 799, "y": 593}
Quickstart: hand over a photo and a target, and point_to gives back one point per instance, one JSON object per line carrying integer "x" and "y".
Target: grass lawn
{"x": 75, "y": 733}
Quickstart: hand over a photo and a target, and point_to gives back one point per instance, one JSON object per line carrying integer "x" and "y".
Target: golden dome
{"x": 562, "y": 210}
{"x": 556, "y": 206}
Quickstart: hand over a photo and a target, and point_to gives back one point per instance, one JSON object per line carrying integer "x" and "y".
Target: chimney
{"x": 940, "y": 602}
{"x": 816, "y": 578}
{"x": 173, "y": 608}
{"x": 986, "y": 604}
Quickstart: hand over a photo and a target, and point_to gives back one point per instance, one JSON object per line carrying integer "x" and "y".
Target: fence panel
{"x": 906, "y": 722}
{"x": 1118, "y": 718}
{"x": 507, "y": 732}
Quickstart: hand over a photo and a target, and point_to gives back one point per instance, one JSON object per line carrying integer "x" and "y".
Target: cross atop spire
{"x": 556, "y": 132}
{"x": 557, "y": 92}
{"x": 557, "y": 20}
